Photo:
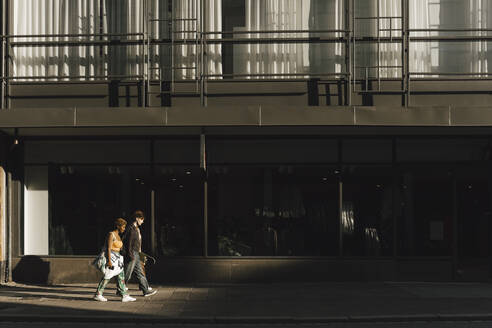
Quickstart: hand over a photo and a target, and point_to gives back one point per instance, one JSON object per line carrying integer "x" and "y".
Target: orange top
{"x": 117, "y": 244}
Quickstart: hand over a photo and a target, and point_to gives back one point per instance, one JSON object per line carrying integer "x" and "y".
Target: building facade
{"x": 266, "y": 140}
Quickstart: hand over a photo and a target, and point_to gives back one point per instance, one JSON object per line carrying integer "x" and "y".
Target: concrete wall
{"x": 57, "y": 270}
{"x": 36, "y": 214}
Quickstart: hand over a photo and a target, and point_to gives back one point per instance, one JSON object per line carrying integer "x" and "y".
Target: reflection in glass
{"x": 272, "y": 211}
{"x": 367, "y": 216}
{"x": 85, "y": 200}
{"x": 179, "y": 210}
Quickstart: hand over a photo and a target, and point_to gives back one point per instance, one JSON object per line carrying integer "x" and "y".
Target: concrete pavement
{"x": 286, "y": 303}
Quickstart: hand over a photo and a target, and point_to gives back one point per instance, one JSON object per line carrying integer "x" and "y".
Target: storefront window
{"x": 425, "y": 197}
{"x": 273, "y": 211}
{"x": 425, "y": 211}
{"x": 265, "y": 197}
{"x": 273, "y": 197}
{"x": 74, "y": 190}
{"x": 85, "y": 201}
{"x": 178, "y": 210}
{"x": 474, "y": 225}
{"x": 367, "y": 215}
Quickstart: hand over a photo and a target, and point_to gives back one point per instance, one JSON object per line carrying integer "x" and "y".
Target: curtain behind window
{"x": 187, "y": 22}
{"x": 266, "y": 59}
{"x": 326, "y": 57}
{"x": 423, "y": 15}
{"x": 35, "y": 17}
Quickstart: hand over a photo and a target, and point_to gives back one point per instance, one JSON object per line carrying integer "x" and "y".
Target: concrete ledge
{"x": 323, "y": 115}
{"x": 471, "y": 116}
{"x": 246, "y": 116}
{"x": 213, "y": 116}
{"x": 62, "y": 270}
{"x": 120, "y": 116}
{"x": 37, "y": 117}
{"x": 401, "y": 116}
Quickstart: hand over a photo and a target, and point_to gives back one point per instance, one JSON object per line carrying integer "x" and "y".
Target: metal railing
{"x": 356, "y": 78}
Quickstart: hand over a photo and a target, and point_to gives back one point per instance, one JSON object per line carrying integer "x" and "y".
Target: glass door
{"x": 473, "y": 219}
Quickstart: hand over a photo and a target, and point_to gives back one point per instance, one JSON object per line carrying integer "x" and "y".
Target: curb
{"x": 251, "y": 320}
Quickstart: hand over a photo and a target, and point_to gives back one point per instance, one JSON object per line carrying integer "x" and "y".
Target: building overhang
{"x": 270, "y": 119}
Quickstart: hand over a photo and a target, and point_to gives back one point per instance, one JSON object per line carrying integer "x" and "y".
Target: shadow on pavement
{"x": 32, "y": 269}
{"x": 117, "y": 312}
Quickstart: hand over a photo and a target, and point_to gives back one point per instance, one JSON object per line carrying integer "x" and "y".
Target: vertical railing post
{"x": 5, "y": 54}
{"x": 147, "y": 13}
{"x": 378, "y": 22}
{"x": 2, "y": 99}
{"x": 405, "y": 52}
{"x": 203, "y": 99}
{"x": 142, "y": 54}
{"x": 354, "y": 71}
{"x": 348, "y": 50}
{"x": 171, "y": 32}
{"x": 197, "y": 46}
{"x": 3, "y": 60}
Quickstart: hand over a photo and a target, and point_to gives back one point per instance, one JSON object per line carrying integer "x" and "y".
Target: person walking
{"x": 133, "y": 246}
{"x": 114, "y": 264}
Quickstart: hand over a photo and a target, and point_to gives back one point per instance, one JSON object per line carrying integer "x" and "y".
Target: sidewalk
{"x": 255, "y": 303}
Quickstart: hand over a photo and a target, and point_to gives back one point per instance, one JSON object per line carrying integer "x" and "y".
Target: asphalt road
{"x": 438, "y": 324}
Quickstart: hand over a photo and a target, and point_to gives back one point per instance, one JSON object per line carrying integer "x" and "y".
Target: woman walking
{"x": 114, "y": 264}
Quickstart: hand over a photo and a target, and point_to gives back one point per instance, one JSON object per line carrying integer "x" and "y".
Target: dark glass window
{"x": 473, "y": 186}
{"x": 273, "y": 211}
{"x": 425, "y": 211}
{"x": 442, "y": 150}
{"x": 104, "y": 180}
{"x": 179, "y": 210}
{"x": 272, "y": 151}
{"x": 367, "y": 215}
{"x": 367, "y": 151}
{"x": 85, "y": 201}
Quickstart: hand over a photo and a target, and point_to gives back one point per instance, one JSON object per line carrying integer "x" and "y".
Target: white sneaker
{"x": 150, "y": 292}
{"x": 128, "y": 298}
{"x": 150, "y": 288}
{"x": 100, "y": 298}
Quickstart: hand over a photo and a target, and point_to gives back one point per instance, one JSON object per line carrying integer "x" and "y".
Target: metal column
{"x": 349, "y": 34}
{"x": 203, "y": 167}
{"x": 203, "y": 99}
{"x": 405, "y": 7}
{"x": 5, "y": 103}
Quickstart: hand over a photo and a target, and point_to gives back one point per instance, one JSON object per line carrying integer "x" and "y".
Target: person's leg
{"x": 143, "y": 284}
{"x": 120, "y": 284}
{"x": 129, "y": 267}
{"x": 100, "y": 289}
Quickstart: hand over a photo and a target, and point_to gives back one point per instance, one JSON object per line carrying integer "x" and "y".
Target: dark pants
{"x": 135, "y": 266}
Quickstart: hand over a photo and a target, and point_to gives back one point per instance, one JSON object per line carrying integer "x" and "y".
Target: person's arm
{"x": 131, "y": 242}
{"x": 109, "y": 244}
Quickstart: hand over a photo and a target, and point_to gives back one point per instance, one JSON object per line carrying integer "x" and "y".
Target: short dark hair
{"x": 138, "y": 214}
